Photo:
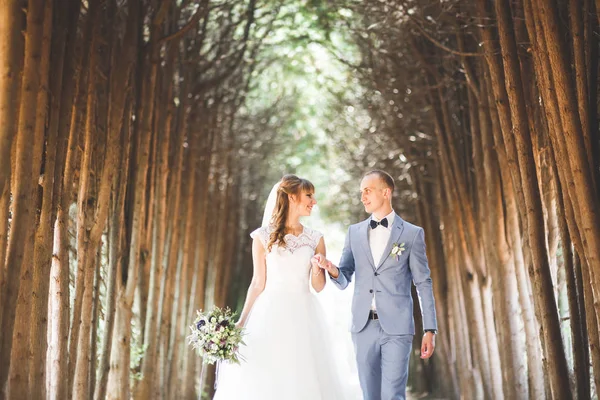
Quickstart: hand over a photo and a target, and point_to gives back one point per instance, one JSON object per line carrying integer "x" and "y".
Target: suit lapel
{"x": 363, "y": 233}
{"x": 397, "y": 229}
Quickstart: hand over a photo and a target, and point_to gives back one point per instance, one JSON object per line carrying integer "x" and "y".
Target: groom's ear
{"x": 389, "y": 193}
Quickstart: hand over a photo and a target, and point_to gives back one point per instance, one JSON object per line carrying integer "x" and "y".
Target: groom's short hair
{"x": 384, "y": 176}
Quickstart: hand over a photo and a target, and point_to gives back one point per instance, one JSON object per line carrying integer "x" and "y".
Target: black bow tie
{"x": 374, "y": 224}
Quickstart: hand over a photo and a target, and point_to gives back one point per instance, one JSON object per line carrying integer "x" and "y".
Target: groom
{"x": 386, "y": 254}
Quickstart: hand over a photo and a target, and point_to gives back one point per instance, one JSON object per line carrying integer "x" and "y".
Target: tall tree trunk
{"x": 202, "y": 256}
{"x": 23, "y": 201}
{"x": 170, "y": 314}
{"x": 516, "y": 386}
{"x": 175, "y": 238}
{"x": 157, "y": 272}
{"x": 161, "y": 241}
{"x": 122, "y": 59}
{"x": 58, "y": 355}
{"x": 85, "y": 247}
{"x": 116, "y": 233}
{"x": 100, "y": 210}
{"x": 22, "y": 351}
{"x": 118, "y": 380}
{"x": 491, "y": 377}
{"x": 172, "y": 338}
{"x": 458, "y": 176}
{"x": 469, "y": 376}
{"x": 118, "y": 377}
{"x": 590, "y": 13}
{"x": 200, "y": 273}
{"x": 94, "y": 334}
{"x": 591, "y": 321}
{"x": 513, "y": 232}
{"x": 11, "y": 47}
{"x": 114, "y": 240}
{"x": 584, "y": 193}
{"x": 80, "y": 107}
{"x": 491, "y": 287}
{"x": 146, "y": 241}
{"x": 59, "y": 287}
{"x": 581, "y": 368}
{"x": 429, "y": 194}
{"x": 30, "y": 280}
{"x": 45, "y": 230}
{"x": 540, "y": 275}
{"x": 184, "y": 291}
{"x": 114, "y": 383}
{"x": 580, "y": 69}
{"x": 567, "y": 179}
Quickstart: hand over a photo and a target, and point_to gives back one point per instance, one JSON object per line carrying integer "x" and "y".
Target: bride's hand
{"x": 316, "y": 260}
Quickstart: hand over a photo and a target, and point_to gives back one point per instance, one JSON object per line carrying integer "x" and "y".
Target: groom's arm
{"x": 419, "y": 268}
{"x": 341, "y": 276}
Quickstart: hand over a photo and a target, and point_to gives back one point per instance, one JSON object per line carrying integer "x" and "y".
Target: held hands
{"x": 319, "y": 261}
{"x": 316, "y": 260}
{"x": 427, "y": 345}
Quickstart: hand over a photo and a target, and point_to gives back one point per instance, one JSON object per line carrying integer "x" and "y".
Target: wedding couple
{"x": 288, "y": 352}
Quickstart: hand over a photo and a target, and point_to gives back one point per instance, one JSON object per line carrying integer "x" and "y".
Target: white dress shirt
{"x": 378, "y": 240}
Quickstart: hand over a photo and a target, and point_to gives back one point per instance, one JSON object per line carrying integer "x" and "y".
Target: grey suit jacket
{"x": 390, "y": 281}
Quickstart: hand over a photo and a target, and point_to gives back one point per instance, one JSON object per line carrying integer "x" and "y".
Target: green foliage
{"x": 306, "y": 101}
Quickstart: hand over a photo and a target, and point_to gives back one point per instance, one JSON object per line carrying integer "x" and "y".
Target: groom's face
{"x": 373, "y": 193}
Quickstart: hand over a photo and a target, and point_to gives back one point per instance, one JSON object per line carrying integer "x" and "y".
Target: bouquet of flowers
{"x": 215, "y": 337}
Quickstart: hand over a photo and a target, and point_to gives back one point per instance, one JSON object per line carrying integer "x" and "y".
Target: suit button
{"x": 371, "y": 291}
{"x": 376, "y": 274}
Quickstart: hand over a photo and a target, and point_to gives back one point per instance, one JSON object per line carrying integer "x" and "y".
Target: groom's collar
{"x": 390, "y": 217}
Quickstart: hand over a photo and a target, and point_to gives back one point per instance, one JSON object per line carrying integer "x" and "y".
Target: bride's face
{"x": 304, "y": 203}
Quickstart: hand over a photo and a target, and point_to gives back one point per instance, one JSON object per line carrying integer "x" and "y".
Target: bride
{"x": 287, "y": 353}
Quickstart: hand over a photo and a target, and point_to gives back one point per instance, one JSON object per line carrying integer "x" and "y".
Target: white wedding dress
{"x": 288, "y": 349}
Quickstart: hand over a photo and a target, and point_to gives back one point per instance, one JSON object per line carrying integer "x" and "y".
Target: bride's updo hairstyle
{"x": 290, "y": 185}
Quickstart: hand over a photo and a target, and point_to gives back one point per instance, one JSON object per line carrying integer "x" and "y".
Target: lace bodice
{"x": 288, "y": 267}
{"x": 309, "y": 237}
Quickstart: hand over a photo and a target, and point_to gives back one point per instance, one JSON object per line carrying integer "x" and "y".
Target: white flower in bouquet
{"x": 215, "y": 337}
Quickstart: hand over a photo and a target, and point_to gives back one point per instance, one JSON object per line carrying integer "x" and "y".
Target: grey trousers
{"x": 382, "y": 361}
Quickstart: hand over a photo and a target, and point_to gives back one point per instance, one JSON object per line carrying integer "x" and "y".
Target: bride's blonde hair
{"x": 290, "y": 185}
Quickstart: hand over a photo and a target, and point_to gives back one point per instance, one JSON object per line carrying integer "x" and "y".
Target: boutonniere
{"x": 397, "y": 250}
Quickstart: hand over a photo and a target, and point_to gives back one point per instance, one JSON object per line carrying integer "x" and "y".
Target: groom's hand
{"x": 329, "y": 267}
{"x": 326, "y": 264}
{"x": 427, "y": 345}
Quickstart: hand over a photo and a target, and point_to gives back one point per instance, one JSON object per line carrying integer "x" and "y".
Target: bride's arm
{"x": 317, "y": 275}
{"x": 259, "y": 278}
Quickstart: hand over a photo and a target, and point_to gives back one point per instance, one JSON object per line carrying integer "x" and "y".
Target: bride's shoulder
{"x": 262, "y": 233}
